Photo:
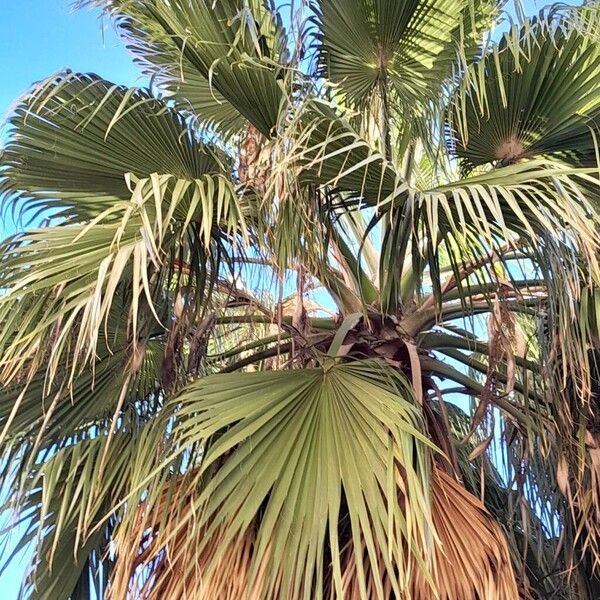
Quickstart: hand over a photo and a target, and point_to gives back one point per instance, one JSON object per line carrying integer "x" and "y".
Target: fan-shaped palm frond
{"x": 413, "y": 44}
{"x": 76, "y": 137}
{"x": 221, "y": 60}
{"x": 534, "y": 93}
{"x": 339, "y": 428}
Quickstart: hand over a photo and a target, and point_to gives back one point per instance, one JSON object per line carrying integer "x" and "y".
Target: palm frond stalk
{"x": 314, "y": 316}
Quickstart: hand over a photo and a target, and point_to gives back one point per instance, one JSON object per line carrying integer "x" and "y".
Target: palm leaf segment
{"x": 136, "y": 278}
{"x": 221, "y": 60}
{"x": 414, "y": 43}
{"x": 135, "y": 193}
{"x": 534, "y": 93}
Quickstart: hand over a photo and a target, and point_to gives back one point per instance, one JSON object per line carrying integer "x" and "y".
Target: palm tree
{"x": 316, "y": 316}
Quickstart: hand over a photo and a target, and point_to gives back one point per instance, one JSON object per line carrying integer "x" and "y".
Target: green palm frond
{"x": 221, "y": 60}
{"x": 75, "y": 138}
{"x": 349, "y": 430}
{"x": 414, "y": 45}
{"x": 534, "y": 93}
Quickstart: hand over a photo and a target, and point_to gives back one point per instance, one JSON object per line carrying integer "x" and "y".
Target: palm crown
{"x": 316, "y": 315}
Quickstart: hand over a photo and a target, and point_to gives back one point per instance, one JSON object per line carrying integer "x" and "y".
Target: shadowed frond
{"x": 219, "y": 59}
{"x": 535, "y": 93}
{"x": 414, "y": 45}
{"x": 74, "y": 138}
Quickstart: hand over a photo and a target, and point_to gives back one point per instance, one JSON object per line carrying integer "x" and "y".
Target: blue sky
{"x": 38, "y": 38}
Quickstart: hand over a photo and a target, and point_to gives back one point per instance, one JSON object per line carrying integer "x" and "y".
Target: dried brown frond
{"x": 159, "y": 559}
{"x": 503, "y": 340}
{"x": 472, "y": 560}
{"x": 578, "y": 466}
{"x": 255, "y": 160}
